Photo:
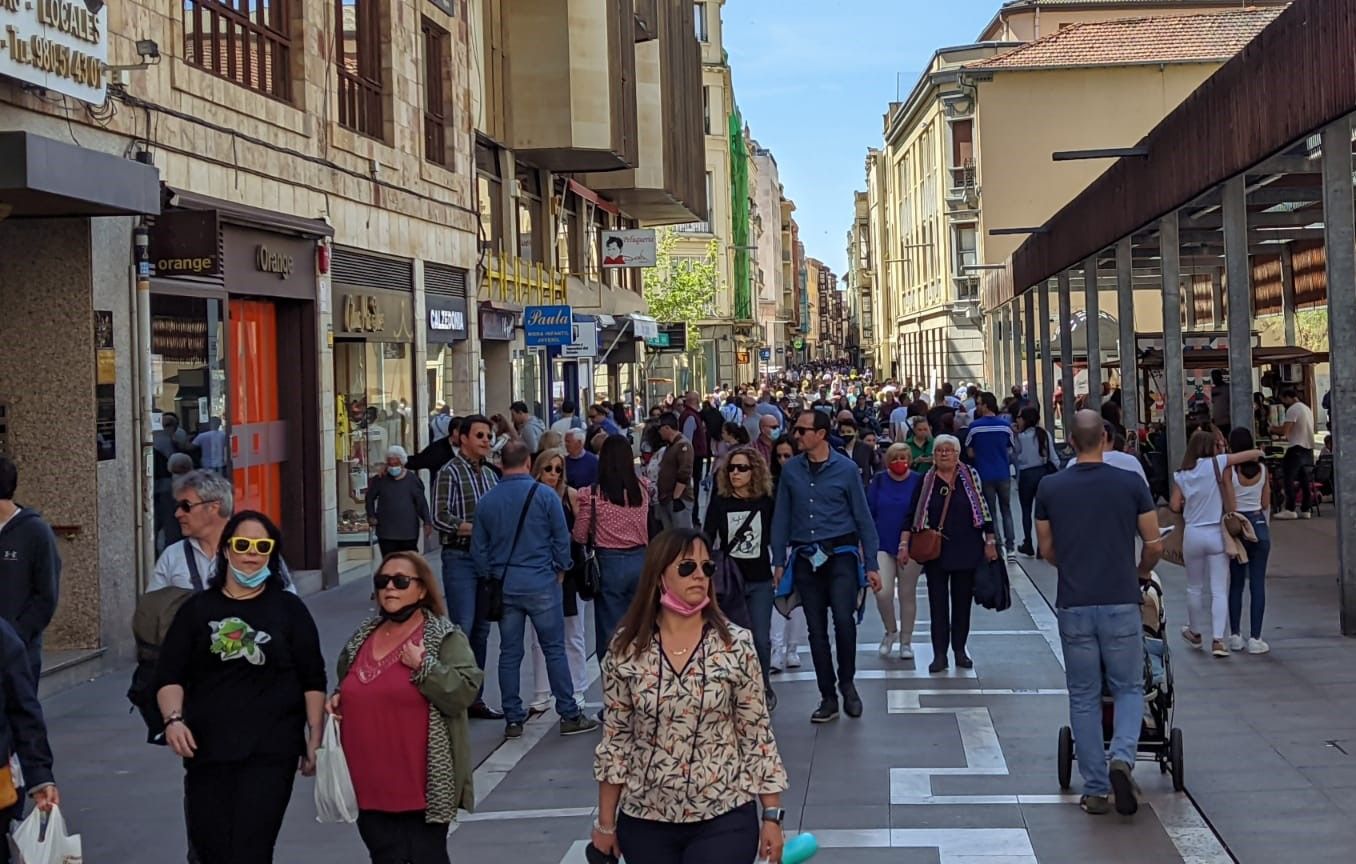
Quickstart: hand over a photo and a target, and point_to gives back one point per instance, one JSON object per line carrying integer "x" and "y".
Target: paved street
{"x": 953, "y": 769}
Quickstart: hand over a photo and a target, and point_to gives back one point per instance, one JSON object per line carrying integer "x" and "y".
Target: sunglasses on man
{"x": 183, "y": 505}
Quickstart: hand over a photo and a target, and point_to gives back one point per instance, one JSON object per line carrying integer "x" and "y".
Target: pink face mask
{"x": 676, "y": 604}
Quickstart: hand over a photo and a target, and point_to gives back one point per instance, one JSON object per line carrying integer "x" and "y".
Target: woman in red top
{"x": 406, "y": 679}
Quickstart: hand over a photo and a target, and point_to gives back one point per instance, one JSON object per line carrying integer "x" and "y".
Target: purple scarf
{"x": 965, "y": 478}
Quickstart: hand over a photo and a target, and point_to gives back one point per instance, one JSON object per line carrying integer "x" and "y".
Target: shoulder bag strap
{"x": 593, "y": 517}
{"x": 1226, "y": 490}
{"x": 739, "y": 532}
{"x": 946, "y": 501}
{"x": 191, "y": 556}
{"x": 518, "y": 532}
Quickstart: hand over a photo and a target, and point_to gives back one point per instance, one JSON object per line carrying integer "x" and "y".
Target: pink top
{"x": 618, "y": 527}
{"x": 385, "y": 729}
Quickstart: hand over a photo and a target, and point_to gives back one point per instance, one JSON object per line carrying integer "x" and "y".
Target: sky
{"x": 814, "y": 80}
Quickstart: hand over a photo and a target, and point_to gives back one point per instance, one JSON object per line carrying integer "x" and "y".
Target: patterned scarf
{"x": 967, "y": 479}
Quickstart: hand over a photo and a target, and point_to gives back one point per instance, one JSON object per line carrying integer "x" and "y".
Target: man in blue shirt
{"x": 581, "y": 466}
{"x": 990, "y": 444}
{"x": 601, "y": 417}
{"x": 521, "y": 538}
{"x": 821, "y": 514}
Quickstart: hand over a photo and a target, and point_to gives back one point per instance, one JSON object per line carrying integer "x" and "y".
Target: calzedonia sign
{"x": 57, "y": 45}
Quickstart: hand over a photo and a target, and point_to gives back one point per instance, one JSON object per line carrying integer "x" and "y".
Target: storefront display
{"x": 446, "y": 328}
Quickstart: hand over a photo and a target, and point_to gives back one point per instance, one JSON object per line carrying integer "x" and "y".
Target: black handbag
{"x": 490, "y": 591}
{"x": 993, "y": 589}
{"x": 589, "y": 575}
{"x": 729, "y": 580}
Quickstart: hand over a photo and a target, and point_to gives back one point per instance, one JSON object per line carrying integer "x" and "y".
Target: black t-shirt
{"x": 244, "y": 666}
{"x": 1093, "y": 510}
{"x": 753, "y": 553}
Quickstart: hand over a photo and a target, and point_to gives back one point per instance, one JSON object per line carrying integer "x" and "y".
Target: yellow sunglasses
{"x": 245, "y": 545}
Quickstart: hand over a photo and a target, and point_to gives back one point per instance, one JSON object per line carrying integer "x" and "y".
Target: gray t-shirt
{"x": 1093, "y": 510}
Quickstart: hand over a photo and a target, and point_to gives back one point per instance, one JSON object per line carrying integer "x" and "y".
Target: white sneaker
{"x": 887, "y": 643}
{"x": 793, "y": 660}
{"x": 579, "y": 699}
{"x": 1257, "y": 646}
{"x": 905, "y": 651}
{"x": 1235, "y": 642}
{"x": 777, "y": 663}
{"x": 1012, "y": 556}
{"x": 1306, "y": 514}
{"x": 1287, "y": 515}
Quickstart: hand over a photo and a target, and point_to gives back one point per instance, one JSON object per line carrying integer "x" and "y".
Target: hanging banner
{"x": 633, "y": 248}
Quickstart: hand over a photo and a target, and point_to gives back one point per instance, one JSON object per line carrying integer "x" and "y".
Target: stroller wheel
{"x": 1178, "y": 768}
{"x": 1066, "y": 755}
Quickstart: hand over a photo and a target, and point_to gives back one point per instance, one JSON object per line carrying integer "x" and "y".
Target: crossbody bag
{"x": 490, "y": 591}
{"x": 926, "y": 544}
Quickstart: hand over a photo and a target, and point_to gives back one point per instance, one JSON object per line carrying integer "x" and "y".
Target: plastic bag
{"x": 42, "y": 839}
{"x": 335, "y": 800}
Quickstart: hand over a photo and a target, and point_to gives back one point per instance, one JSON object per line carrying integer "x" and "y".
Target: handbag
{"x": 9, "y": 792}
{"x": 589, "y": 575}
{"x": 926, "y": 543}
{"x": 729, "y": 580}
{"x": 490, "y": 591}
{"x": 1231, "y": 522}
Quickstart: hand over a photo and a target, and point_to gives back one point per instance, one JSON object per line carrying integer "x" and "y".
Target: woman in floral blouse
{"x": 687, "y": 753}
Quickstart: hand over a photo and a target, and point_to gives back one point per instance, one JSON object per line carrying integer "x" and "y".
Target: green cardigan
{"x": 450, "y": 681}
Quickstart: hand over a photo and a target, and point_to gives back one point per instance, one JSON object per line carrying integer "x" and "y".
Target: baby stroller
{"x": 1159, "y": 740}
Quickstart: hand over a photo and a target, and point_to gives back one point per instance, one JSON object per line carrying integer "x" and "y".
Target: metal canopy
{"x": 42, "y": 177}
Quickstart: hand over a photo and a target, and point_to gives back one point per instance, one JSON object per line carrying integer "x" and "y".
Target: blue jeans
{"x": 620, "y": 570}
{"x": 1255, "y": 573}
{"x": 460, "y": 589}
{"x": 546, "y": 610}
{"x": 1103, "y": 644}
{"x": 998, "y": 493}
{"x": 758, "y": 596}
{"x": 831, "y": 587}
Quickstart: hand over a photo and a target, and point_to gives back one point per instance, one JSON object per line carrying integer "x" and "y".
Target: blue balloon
{"x": 800, "y": 849}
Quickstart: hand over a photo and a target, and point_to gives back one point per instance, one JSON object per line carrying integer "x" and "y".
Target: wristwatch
{"x": 774, "y": 814}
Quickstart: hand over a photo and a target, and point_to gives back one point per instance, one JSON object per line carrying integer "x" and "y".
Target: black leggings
{"x": 950, "y": 614}
{"x": 235, "y": 809}
{"x": 728, "y": 839}
{"x": 389, "y": 546}
{"x": 403, "y": 838}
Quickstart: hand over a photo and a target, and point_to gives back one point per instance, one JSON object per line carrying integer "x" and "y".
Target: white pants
{"x": 787, "y": 635}
{"x": 901, "y": 581}
{"x": 1207, "y": 568}
{"x": 576, "y": 654}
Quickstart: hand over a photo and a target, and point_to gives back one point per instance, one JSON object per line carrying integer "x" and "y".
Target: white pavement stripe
{"x": 954, "y": 845}
{"x": 885, "y": 674}
{"x": 505, "y": 815}
{"x": 1041, "y": 614}
{"x": 979, "y": 740}
{"x": 907, "y": 701}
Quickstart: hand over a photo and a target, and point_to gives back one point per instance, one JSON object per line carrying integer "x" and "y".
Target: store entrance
{"x": 258, "y": 430}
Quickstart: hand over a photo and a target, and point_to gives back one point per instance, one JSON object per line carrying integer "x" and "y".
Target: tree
{"x": 680, "y": 289}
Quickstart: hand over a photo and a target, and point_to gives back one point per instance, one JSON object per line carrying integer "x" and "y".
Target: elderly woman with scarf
{"x": 951, "y": 501}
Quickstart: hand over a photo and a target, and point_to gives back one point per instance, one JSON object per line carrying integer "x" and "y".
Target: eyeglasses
{"x": 802, "y": 430}
{"x": 381, "y": 580}
{"x": 740, "y": 467}
{"x": 246, "y": 545}
{"x": 552, "y": 469}
{"x": 183, "y": 505}
{"x": 688, "y": 569}
{"x": 481, "y": 436}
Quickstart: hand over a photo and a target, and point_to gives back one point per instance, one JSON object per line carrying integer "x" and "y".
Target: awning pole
{"x": 1174, "y": 408}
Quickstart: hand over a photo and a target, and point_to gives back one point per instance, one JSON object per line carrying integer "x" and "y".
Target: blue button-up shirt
{"x": 543, "y": 548}
{"x": 815, "y": 505}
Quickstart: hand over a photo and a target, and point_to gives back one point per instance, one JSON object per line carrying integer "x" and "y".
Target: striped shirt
{"x": 460, "y": 486}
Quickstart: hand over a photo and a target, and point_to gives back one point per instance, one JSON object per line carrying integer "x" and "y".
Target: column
{"x": 999, "y": 328}
{"x": 1339, "y": 236}
{"x": 1047, "y": 396}
{"x": 1094, "y": 331}
{"x": 1125, "y": 307}
{"x": 1238, "y": 267}
{"x": 1217, "y": 298}
{"x": 1015, "y": 330}
{"x": 1030, "y": 342}
{"x": 1170, "y": 253}
{"x": 1066, "y": 360}
{"x": 1288, "y": 294}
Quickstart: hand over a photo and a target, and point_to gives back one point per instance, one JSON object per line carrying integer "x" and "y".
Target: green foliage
{"x": 681, "y": 288}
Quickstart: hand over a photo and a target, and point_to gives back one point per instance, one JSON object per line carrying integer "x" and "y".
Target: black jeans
{"x": 403, "y": 838}
{"x": 388, "y": 546}
{"x": 1298, "y": 467}
{"x": 731, "y": 838}
{"x": 235, "y": 809}
{"x": 832, "y": 587}
{"x": 951, "y": 593}
{"x": 1028, "y": 481}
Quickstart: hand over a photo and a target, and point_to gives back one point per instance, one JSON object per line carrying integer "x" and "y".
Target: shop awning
{"x": 42, "y": 177}
{"x": 236, "y": 213}
{"x": 645, "y": 327}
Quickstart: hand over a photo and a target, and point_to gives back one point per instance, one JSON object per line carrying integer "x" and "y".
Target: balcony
{"x": 693, "y": 228}
{"x": 964, "y": 191}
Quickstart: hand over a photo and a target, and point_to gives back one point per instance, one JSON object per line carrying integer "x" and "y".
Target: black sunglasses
{"x": 740, "y": 468}
{"x": 381, "y": 580}
{"x": 687, "y": 568}
{"x": 551, "y": 469}
{"x": 183, "y": 505}
{"x": 802, "y": 430}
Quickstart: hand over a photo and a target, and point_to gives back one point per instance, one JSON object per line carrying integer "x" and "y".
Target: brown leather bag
{"x": 926, "y": 545}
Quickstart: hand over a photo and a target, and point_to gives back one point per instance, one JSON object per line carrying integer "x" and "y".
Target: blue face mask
{"x": 776, "y": 433}
{"x": 251, "y": 580}
{"x": 395, "y": 470}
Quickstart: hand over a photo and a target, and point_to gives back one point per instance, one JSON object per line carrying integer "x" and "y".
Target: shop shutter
{"x": 364, "y": 270}
{"x": 441, "y": 279}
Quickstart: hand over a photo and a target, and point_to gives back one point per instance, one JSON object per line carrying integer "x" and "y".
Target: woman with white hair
{"x": 397, "y": 507}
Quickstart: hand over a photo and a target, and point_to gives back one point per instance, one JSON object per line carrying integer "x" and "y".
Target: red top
{"x": 385, "y": 729}
{"x": 619, "y": 527}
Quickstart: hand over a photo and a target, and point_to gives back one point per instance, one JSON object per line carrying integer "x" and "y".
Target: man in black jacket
{"x": 23, "y": 730}
{"x": 433, "y": 457}
{"x": 30, "y": 568}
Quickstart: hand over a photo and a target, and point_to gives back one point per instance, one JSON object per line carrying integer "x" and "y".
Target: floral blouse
{"x": 692, "y": 744}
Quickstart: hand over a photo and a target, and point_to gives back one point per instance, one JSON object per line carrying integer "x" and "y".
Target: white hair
{"x": 575, "y": 433}
{"x": 399, "y": 452}
{"x": 946, "y": 441}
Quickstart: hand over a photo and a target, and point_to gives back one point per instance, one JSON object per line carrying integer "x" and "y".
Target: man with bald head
{"x": 1087, "y": 520}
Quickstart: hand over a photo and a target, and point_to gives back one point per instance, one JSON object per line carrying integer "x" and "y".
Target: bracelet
{"x": 176, "y": 717}
{"x": 606, "y": 832}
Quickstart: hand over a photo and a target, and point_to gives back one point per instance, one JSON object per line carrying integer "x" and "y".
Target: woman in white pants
{"x": 1196, "y": 495}
{"x": 892, "y": 496}
{"x": 549, "y": 469}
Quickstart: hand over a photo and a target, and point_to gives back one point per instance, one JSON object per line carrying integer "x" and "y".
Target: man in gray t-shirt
{"x": 1086, "y": 520}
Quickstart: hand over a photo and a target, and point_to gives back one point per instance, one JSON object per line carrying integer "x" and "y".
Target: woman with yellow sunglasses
{"x": 241, "y": 687}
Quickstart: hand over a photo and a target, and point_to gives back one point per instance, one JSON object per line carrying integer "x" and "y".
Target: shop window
{"x": 592, "y": 246}
{"x": 567, "y": 236}
{"x": 489, "y": 198}
{"x": 437, "y": 45}
{"x": 706, "y": 109}
{"x": 374, "y": 386}
{"x": 531, "y": 226}
{"x": 245, "y": 41}
{"x": 359, "y": 61}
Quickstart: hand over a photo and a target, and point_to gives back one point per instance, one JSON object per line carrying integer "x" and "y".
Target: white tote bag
{"x": 42, "y": 839}
{"x": 335, "y": 800}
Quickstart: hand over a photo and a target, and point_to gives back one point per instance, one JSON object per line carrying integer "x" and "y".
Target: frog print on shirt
{"x": 233, "y": 639}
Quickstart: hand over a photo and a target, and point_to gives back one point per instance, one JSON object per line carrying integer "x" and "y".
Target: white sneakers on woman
{"x": 887, "y": 644}
{"x": 1257, "y": 646}
{"x": 905, "y": 651}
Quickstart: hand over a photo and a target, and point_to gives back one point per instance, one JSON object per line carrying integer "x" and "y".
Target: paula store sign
{"x": 58, "y": 45}
{"x": 545, "y": 326}
{"x": 186, "y": 243}
{"x": 446, "y": 318}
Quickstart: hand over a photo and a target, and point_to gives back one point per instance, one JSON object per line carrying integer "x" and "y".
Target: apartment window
{"x": 245, "y": 41}
{"x": 490, "y": 198}
{"x": 567, "y": 235}
{"x": 437, "y": 44}
{"x": 965, "y": 237}
{"x": 531, "y": 240}
{"x": 962, "y": 154}
{"x": 703, "y": 34}
{"x": 593, "y": 246}
{"x": 706, "y": 109}
{"x": 358, "y": 50}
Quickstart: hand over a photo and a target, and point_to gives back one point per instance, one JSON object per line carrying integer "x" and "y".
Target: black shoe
{"x": 513, "y": 730}
{"x": 1026, "y": 550}
{"x": 481, "y": 711}
{"x": 771, "y": 699}
{"x": 938, "y": 665}
{"x": 963, "y": 661}
{"x": 852, "y": 703}
{"x": 826, "y": 712}
{"x": 1127, "y": 796}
